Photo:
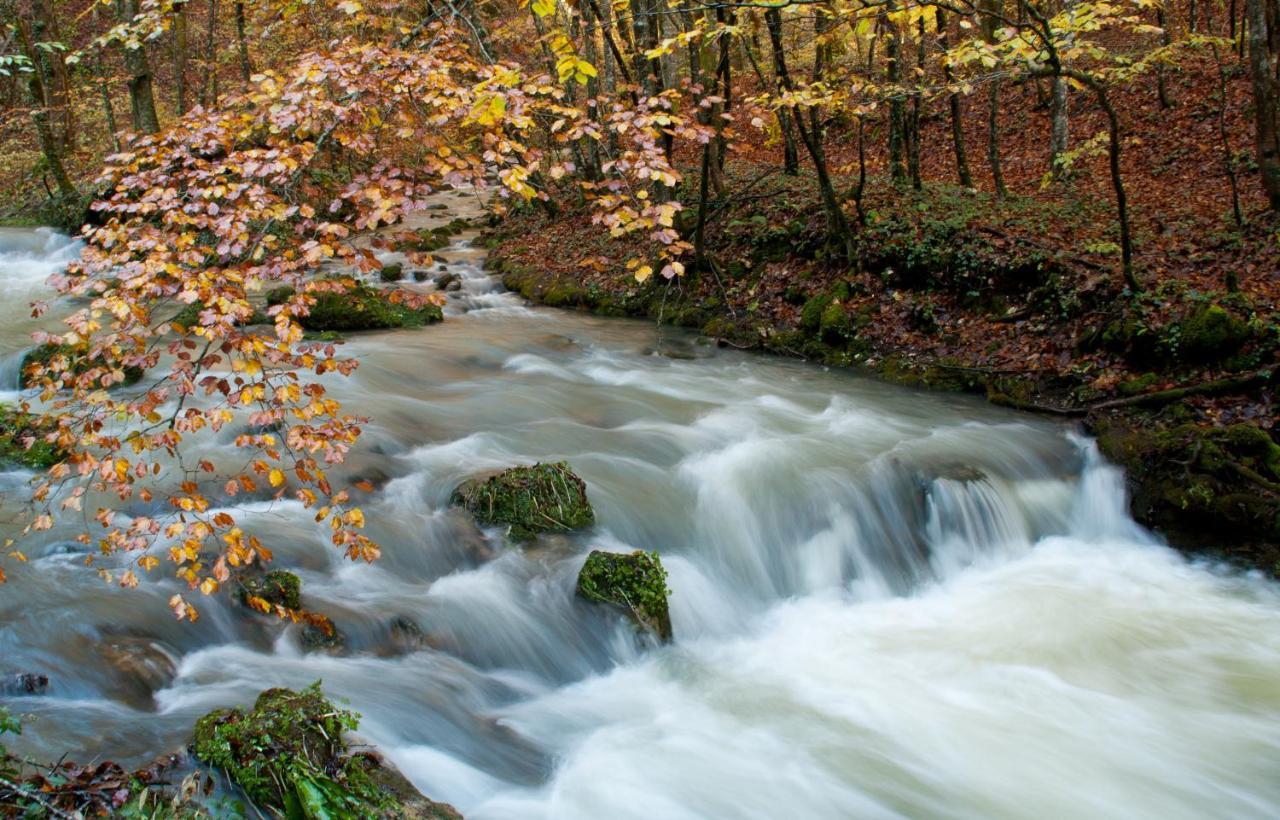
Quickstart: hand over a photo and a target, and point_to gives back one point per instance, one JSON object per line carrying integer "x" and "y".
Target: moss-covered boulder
{"x": 635, "y": 585}
{"x": 360, "y": 307}
{"x": 290, "y": 756}
{"x": 529, "y": 500}
{"x": 17, "y": 429}
{"x": 1216, "y": 488}
{"x": 68, "y": 361}
{"x": 393, "y": 272}
{"x": 277, "y": 587}
{"x": 1211, "y": 333}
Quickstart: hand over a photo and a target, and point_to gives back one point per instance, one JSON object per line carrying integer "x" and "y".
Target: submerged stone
{"x": 634, "y": 584}
{"x": 529, "y": 500}
{"x": 290, "y": 755}
{"x": 23, "y": 683}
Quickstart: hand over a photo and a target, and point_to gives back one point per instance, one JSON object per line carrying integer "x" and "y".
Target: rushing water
{"x": 886, "y": 603}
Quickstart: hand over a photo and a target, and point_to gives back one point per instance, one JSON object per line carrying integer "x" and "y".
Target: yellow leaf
{"x": 276, "y": 477}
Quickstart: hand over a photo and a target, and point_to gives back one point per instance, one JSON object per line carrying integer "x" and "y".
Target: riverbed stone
{"x": 23, "y": 683}
{"x": 360, "y": 307}
{"x": 529, "y": 500}
{"x": 634, "y": 584}
{"x": 68, "y": 359}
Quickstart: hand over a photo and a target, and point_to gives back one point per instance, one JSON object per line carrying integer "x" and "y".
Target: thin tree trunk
{"x": 60, "y": 93}
{"x": 1263, "y": 19}
{"x": 246, "y": 66}
{"x": 108, "y": 109}
{"x": 913, "y": 122}
{"x": 897, "y": 107}
{"x": 953, "y": 101}
{"x": 1059, "y": 136}
{"x": 1228, "y": 157}
{"x": 211, "y": 58}
{"x": 790, "y": 153}
{"x": 180, "y": 57}
{"x": 988, "y": 20}
{"x": 1162, "y": 86}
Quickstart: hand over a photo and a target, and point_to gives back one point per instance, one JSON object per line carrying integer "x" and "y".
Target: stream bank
{"x": 955, "y": 291}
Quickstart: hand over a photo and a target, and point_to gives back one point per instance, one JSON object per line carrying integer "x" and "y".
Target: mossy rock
{"x": 529, "y": 500}
{"x": 71, "y": 361}
{"x": 1201, "y": 485}
{"x": 189, "y": 317}
{"x": 277, "y": 587}
{"x": 812, "y": 312}
{"x": 364, "y": 308}
{"x": 1211, "y": 333}
{"x": 635, "y": 584}
{"x": 290, "y": 757}
{"x": 393, "y": 272}
{"x": 835, "y": 326}
{"x": 426, "y": 241}
{"x": 322, "y": 635}
{"x": 15, "y": 426}
{"x": 280, "y": 295}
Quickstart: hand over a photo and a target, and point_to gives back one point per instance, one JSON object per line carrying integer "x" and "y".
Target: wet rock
{"x": 529, "y": 500}
{"x": 322, "y": 635}
{"x": 23, "y": 683}
{"x": 421, "y": 275}
{"x": 1205, "y": 487}
{"x": 393, "y": 272}
{"x": 635, "y": 585}
{"x": 277, "y": 588}
{"x": 448, "y": 282}
{"x": 404, "y": 637}
{"x": 137, "y": 666}
{"x": 291, "y": 757}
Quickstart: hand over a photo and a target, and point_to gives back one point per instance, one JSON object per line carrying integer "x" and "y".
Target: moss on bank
{"x": 1220, "y": 486}
{"x": 634, "y": 584}
{"x": 529, "y": 500}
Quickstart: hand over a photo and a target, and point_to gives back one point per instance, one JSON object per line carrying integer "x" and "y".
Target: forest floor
{"x": 1019, "y": 299}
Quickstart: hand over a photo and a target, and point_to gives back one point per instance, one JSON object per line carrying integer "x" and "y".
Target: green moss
{"x": 812, "y": 312}
{"x": 529, "y": 500}
{"x": 835, "y": 326}
{"x": 425, "y": 241}
{"x": 277, "y": 587}
{"x": 280, "y": 295}
{"x": 1140, "y": 384}
{"x": 636, "y": 584}
{"x": 1211, "y": 333}
{"x": 69, "y": 361}
{"x": 15, "y": 426}
{"x": 1200, "y": 484}
{"x": 364, "y": 308}
{"x": 289, "y": 755}
{"x": 392, "y": 273}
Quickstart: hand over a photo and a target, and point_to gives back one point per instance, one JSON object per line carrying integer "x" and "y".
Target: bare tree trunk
{"x": 1228, "y": 156}
{"x": 141, "y": 96}
{"x": 790, "y": 152}
{"x": 60, "y": 93}
{"x": 1263, "y": 18}
{"x": 180, "y": 56}
{"x": 953, "y": 101}
{"x": 246, "y": 66}
{"x": 1162, "y": 86}
{"x": 211, "y": 58}
{"x": 838, "y": 234}
{"x": 989, "y": 10}
{"x": 108, "y": 109}
{"x": 897, "y": 106}
{"x": 1059, "y": 136}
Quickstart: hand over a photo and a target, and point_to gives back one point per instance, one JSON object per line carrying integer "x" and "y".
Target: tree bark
{"x": 246, "y": 66}
{"x": 211, "y": 58}
{"x": 988, "y": 21}
{"x": 21, "y": 17}
{"x": 141, "y": 96}
{"x": 180, "y": 57}
{"x": 953, "y": 101}
{"x": 1263, "y": 18}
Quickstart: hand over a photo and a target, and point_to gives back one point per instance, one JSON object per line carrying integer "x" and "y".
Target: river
{"x": 887, "y": 603}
